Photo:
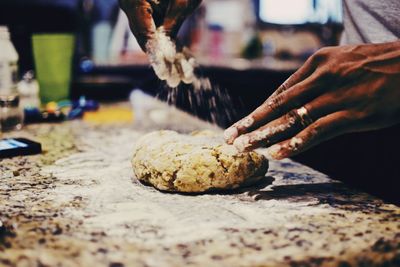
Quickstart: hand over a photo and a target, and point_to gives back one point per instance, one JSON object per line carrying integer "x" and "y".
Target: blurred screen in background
{"x": 233, "y": 17}
{"x": 296, "y": 12}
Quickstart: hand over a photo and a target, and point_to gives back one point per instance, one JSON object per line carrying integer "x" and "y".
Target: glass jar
{"x": 11, "y": 115}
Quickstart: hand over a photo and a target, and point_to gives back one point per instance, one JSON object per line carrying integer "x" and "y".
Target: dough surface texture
{"x": 194, "y": 163}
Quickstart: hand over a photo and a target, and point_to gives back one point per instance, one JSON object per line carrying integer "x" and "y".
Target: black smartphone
{"x": 13, "y": 147}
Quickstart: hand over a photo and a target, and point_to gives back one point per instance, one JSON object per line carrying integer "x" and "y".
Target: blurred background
{"x": 247, "y": 47}
{"x": 243, "y": 36}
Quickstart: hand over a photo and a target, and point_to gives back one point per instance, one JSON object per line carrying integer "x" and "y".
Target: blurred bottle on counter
{"x": 8, "y": 64}
{"x": 216, "y": 41}
{"x": 104, "y": 14}
{"x": 11, "y": 115}
{"x": 28, "y": 89}
{"x": 224, "y": 34}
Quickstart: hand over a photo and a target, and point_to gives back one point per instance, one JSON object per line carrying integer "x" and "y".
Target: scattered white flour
{"x": 242, "y": 143}
{"x": 246, "y": 122}
{"x": 268, "y": 132}
{"x": 273, "y": 152}
{"x": 230, "y": 134}
{"x": 115, "y": 204}
{"x": 245, "y": 141}
{"x": 295, "y": 142}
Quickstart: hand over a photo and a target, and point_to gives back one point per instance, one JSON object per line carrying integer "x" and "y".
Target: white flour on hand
{"x": 169, "y": 64}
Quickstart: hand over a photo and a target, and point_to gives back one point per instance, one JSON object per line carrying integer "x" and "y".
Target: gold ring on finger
{"x": 304, "y": 116}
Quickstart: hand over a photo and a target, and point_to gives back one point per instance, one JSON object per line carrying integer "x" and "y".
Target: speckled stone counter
{"x": 78, "y": 204}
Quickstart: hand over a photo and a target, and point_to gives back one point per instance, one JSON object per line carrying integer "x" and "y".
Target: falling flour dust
{"x": 177, "y": 68}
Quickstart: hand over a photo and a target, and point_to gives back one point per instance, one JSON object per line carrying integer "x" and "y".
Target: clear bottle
{"x": 11, "y": 116}
{"x": 28, "y": 89}
{"x": 8, "y": 64}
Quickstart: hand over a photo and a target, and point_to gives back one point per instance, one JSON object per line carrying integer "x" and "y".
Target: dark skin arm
{"x": 145, "y": 16}
{"x": 344, "y": 89}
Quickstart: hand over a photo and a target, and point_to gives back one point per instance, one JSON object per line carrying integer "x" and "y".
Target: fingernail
{"x": 275, "y": 152}
{"x": 242, "y": 143}
{"x": 230, "y": 134}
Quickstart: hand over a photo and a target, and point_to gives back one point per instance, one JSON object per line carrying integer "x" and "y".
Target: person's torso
{"x": 371, "y": 21}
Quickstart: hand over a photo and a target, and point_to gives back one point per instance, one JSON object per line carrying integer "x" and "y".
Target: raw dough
{"x": 194, "y": 163}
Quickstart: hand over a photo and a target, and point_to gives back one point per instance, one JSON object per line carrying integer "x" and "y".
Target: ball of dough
{"x": 194, "y": 163}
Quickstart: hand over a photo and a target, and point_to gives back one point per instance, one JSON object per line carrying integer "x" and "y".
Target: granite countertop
{"x": 78, "y": 204}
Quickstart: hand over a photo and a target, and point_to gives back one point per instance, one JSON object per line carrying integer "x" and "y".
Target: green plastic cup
{"x": 53, "y": 55}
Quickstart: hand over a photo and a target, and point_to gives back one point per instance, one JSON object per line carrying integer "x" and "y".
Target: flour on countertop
{"x": 122, "y": 207}
{"x": 78, "y": 205}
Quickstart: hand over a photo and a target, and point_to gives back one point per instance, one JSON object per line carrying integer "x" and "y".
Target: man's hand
{"x": 338, "y": 90}
{"x": 145, "y": 16}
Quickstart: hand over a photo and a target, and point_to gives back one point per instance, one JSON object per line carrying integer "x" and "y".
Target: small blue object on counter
{"x": 59, "y": 112}
{"x": 34, "y": 115}
{"x": 81, "y": 106}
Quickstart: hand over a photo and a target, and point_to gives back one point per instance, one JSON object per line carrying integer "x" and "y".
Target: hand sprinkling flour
{"x": 169, "y": 64}
{"x": 155, "y": 24}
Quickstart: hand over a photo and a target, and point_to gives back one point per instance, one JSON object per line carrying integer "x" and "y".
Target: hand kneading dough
{"x": 194, "y": 163}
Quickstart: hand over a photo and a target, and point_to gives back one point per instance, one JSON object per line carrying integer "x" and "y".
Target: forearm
{"x": 140, "y": 16}
{"x": 384, "y": 58}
